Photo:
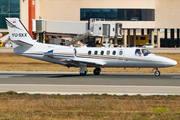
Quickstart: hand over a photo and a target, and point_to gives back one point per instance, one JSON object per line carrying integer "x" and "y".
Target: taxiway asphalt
{"x": 73, "y": 83}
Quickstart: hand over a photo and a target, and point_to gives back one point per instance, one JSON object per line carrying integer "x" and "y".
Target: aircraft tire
{"x": 1, "y": 43}
{"x": 96, "y": 72}
{"x": 82, "y": 74}
{"x": 85, "y": 72}
{"x": 157, "y": 73}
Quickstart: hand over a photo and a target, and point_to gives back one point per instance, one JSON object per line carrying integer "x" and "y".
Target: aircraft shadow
{"x": 68, "y": 75}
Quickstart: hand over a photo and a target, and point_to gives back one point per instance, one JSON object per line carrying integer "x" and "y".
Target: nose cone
{"x": 164, "y": 61}
{"x": 171, "y": 62}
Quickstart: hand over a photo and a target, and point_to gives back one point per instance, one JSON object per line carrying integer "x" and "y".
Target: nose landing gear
{"x": 157, "y": 73}
{"x": 97, "y": 71}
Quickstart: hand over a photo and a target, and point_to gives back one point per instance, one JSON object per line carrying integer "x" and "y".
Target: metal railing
{"x": 80, "y": 37}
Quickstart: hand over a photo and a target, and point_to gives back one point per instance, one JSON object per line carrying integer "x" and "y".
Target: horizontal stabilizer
{"x": 22, "y": 43}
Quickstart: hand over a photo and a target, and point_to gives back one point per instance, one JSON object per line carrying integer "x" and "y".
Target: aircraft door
{"x": 120, "y": 55}
{"x": 75, "y": 52}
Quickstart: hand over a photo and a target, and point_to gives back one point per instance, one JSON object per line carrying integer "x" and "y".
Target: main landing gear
{"x": 83, "y": 69}
{"x": 157, "y": 73}
{"x": 85, "y": 72}
{"x": 97, "y": 71}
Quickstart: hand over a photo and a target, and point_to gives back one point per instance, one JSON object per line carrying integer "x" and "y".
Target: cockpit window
{"x": 145, "y": 52}
{"x": 142, "y": 52}
{"x": 138, "y": 52}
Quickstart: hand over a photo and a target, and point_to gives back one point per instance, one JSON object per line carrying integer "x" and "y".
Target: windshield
{"x": 142, "y": 52}
{"x": 145, "y": 52}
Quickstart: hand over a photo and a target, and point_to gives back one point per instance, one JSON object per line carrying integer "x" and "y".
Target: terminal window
{"x": 8, "y": 8}
{"x": 142, "y": 38}
{"x": 118, "y": 14}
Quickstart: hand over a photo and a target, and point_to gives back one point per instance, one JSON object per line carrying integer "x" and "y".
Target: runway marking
{"x": 175, "y": 77}
{"x": 8, "y": 76}
{"x": 91, "y": 89}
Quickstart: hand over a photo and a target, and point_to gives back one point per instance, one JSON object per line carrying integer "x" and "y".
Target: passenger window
{"x": 138, "y": 52}
{"x": 96, "y": 52}
{"x": 108, "y": 52}
{"x": 89, "y": 52}
{"x": 120, "y": 52}
{"x": 102, "y": 52}
{"x": 114, "y": 53}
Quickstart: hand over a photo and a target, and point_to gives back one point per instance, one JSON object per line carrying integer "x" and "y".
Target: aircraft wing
{"x": 77, "y": 61}
{"x": 89, "y": 62}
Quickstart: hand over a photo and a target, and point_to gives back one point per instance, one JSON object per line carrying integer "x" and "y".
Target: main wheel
{"x": 97, "y": 71}
{"x": 85, "y": 72}
{"x": 157, "y": 73}
{"x": 82, "y": 74}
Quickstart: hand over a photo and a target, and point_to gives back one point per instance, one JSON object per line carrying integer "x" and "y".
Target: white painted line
{"x": 37, "y": 72}
{"x": 88, "y": 89}
{"x": 8, "y": 76}
{"x": 175, "y": 77}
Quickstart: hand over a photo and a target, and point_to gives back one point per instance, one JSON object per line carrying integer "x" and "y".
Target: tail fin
{"x": 19, "y": 35}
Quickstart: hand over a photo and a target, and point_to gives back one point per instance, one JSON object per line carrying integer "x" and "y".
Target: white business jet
{"x": 83, "y": 57}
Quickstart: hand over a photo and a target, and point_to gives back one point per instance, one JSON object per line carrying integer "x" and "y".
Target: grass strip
{"x": 88, "y": 106}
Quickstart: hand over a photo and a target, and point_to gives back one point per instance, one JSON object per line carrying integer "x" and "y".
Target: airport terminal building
{"x": 159, "y": 19}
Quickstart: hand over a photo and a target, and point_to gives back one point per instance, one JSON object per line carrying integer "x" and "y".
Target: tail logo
{"x": 11, "y": 25}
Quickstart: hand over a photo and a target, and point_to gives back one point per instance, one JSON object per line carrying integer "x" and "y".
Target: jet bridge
{"x": 75, "y": 31}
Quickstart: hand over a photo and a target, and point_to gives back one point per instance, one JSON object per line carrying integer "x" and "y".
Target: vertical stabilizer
{"x": 19, "y": 36}
{"x": 18, "y": 33}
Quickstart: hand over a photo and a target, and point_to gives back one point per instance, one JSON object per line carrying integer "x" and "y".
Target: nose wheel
{"x": 97, "y": 71}
{"x": 157, "y": 73}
